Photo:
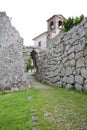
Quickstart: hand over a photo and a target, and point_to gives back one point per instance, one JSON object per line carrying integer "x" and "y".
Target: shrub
{"x": 70, "y": 22}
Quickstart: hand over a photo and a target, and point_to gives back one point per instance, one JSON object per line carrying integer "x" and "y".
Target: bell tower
{"x": 54, "y": 25}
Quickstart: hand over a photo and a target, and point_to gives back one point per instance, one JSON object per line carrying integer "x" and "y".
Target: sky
{"x": 29, "y": 16}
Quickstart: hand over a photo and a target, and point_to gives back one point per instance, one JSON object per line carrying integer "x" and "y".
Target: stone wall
{"x": 64, "y": 63}
{"x": 11, "y": 56}
{"x": 27, "y": 50}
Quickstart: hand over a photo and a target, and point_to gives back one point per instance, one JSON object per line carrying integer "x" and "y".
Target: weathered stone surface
{"x": 72, "y": 62}
{"x": 68, "y": 71}
{"x": 84, "y": 72}
{"x": 86, "y": 61}
{"x": 79, "y": 55}
{"x": 78, "y": 79}
{"x": 71, "y": 56}
{"x": 71, "y": 79}
{"x": 11, "y": 56}
{"x": 78, "y": 87}
{"x": 68, "y": 86}
{"x": 71, "y": 50}
{"x": 85, "y": 52}
{"x": 85, "y": 88}
{"x": 70, "y": 59}
{"x": 63, "y": 72}
{"x": 80, "y": 62}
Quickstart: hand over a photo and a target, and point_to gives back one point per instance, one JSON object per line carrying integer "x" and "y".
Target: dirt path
{"x": 34, "y": 83}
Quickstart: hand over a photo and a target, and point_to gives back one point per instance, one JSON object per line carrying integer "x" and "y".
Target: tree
{"x": 70, "y": 22}
{"x": 81, "y": 17}
{"x": 76, "y": 21}
{"x": 29, "y": 64}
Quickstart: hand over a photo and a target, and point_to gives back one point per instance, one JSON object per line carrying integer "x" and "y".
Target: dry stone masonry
{"x": 27, "y": 50}
{"x": 64, "y": 63}
{"x": 11, "y": 56}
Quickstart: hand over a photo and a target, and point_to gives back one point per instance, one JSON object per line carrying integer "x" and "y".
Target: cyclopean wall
{"x": 11, "y": 56}
{"x": 64, "y": 63}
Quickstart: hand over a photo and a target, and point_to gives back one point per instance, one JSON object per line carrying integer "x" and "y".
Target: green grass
{"x": 57, "y": 109}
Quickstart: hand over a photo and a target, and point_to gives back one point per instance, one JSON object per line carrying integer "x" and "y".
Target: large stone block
{"x": 79, "y": 55}
{"x": 78, "y": 87}
{"x": 63, "y": 71}
{"x": 71, "y": 79}
{"x": 85, "y": 53}
{"x": 71, "y": 50}
{"x": 78, "y": 47}
{"x": 72, "y": 62}
{"x": 85, "y": 88}
{"x": 80, "y": 62}
{"x": 79, "y": 79}
{"x": 68, "y": 71}
{"x": 84, "y": 72}
{"x": 71, "y": 56}
{"x": 67, "y": 47}
{"x": 68, "y": 86}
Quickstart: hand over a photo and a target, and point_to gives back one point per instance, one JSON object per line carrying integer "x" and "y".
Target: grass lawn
{"x": 56, "y": 108}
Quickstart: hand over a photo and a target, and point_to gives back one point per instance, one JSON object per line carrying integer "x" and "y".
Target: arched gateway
{"x": 30, "y": 52}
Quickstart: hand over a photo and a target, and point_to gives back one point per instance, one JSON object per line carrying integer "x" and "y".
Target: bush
{"x": 70, "y": 22}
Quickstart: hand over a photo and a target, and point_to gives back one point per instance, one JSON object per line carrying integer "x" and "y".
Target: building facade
{"x": 41, "y": 40}
{"x": 54, "y": 25}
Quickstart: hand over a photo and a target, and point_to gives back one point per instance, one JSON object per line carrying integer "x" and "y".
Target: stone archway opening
{"x": 33, "y": 56}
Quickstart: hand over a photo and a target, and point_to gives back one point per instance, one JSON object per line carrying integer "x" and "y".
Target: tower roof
{"x": 59, "y": 16}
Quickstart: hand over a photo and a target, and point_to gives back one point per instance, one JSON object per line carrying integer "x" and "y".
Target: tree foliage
{"x": 70, "y": 22}
{"x": 29, "y": 64}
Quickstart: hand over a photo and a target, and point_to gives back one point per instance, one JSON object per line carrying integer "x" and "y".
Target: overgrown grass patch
{"x": 57, "y": 109}
{"x": 15, "y": 111}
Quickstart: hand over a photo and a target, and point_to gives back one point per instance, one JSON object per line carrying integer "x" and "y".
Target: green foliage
{"x": 81, "y": 17}
{"x": 29, "y": 64}
{"x": 76, "y": 21}
{"x": 70, "y": 22}
{"x": 85, "y": 45}
{"x": 15, "y": 111}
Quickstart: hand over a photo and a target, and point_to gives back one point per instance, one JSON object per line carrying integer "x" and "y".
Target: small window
{"x": 39, "y": 44}
{"x": 51, "y": 25}
{"x": 60, "y": 24}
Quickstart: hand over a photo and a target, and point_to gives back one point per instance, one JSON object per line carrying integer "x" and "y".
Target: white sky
{"x": 29, "y": 16}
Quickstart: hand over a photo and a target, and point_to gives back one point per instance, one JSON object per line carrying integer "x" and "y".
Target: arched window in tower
{"x": 51, "y": 25}
{"x": 60, "y": 24}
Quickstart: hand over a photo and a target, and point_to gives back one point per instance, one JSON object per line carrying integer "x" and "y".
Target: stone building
{"x": 54, "y": 25}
